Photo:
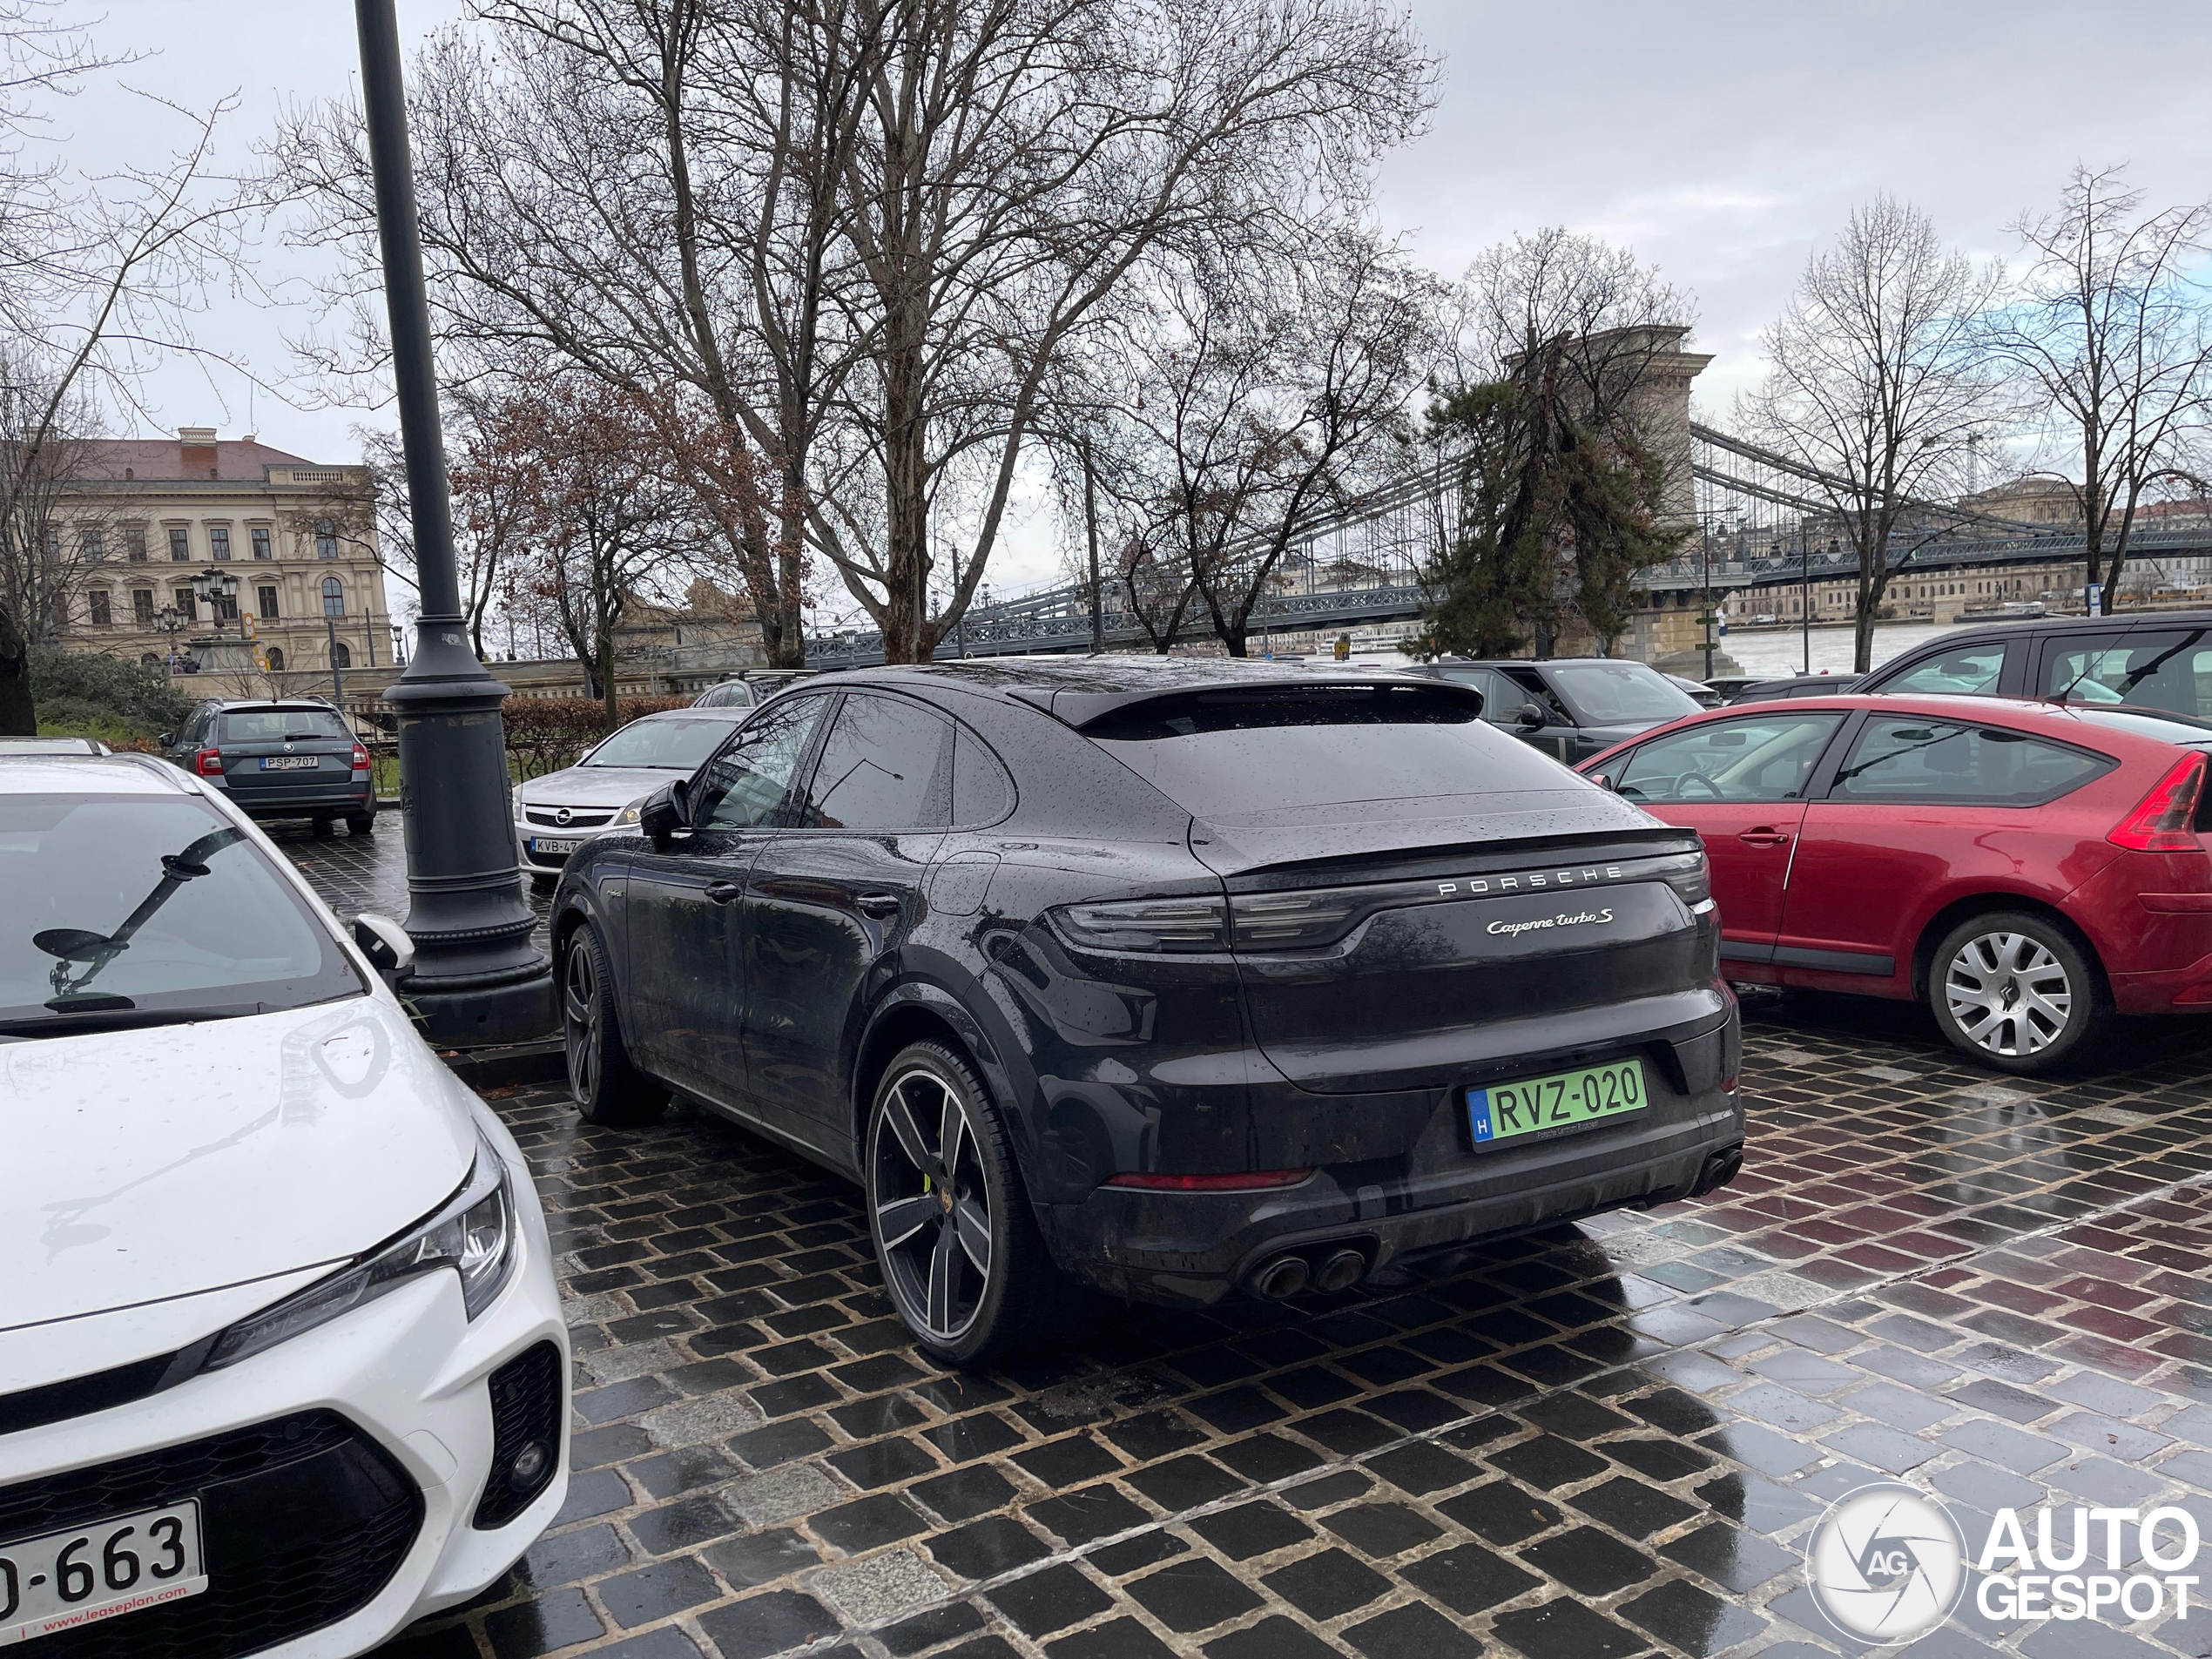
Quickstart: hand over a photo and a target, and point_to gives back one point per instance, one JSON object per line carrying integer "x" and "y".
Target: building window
{"x": 94, "y": 543}
{"x": 187, "y": 606}
{"x": 325, "y": 538}
{"x": 261, "y": 548}
{"x": 100, "y": 617}
{"x": 180, "y": 545}
{"x": 142, "y": 607}
{"x": 333, "y": 596}
{"x": 340, "y": 655}
{"x": 134, "y": 546}
{"x": 149, "y": 659}
{"x": 276, "y": 659}
{"x": 266, "y": 594}
{"x": 53, "y": 547}
{"x": 219, "y": 541}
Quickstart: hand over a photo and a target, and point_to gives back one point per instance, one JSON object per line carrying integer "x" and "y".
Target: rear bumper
{"x": 355, "y": 795}
{"x": 1194, "y": 1248}
{"x": 2176, "y": 990}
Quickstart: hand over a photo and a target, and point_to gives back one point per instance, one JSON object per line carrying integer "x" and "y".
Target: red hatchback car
{"x": 2028, "y": 869}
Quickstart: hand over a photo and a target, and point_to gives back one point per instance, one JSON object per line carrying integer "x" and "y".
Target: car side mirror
{"x": 1530, "y": 718}
{"x": 667, "y": 810}
{"x": 167, "y": 739}
{"x": 384, "y": 942}
{"x": 1604, "y": 780}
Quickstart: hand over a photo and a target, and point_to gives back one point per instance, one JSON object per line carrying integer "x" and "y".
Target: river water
{"x": 1774, "y": 652}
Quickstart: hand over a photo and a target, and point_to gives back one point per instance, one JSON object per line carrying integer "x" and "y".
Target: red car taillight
{"x": 1244, "y": 1181}
{"x": 208, "y": 762}
{"x": 2165, "y": 822}
{"x": 361, "y": 758}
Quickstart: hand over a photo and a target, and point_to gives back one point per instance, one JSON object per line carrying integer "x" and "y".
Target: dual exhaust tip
{"x": 1323, "y": 1269}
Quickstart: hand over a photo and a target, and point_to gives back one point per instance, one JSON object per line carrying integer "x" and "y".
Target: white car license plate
{"x": 551, "y": 844}
{"x": 113, "y": 1567}
{"x": 289, "y": 763}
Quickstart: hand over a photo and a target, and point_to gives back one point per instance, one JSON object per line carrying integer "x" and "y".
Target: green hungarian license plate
{"x": 1565, "y": 1100}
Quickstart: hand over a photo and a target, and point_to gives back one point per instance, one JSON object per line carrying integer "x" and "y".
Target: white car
{"x": 557, "y": 814}
{"x": 282, "y": 1364}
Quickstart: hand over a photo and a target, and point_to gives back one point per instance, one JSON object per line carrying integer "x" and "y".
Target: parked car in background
{"x": 558, "y": 813}
{"x": 748, "y": 689}
{"x": 278, "y": 758}
{"x": 1570, "y": 707}
{"x": 2027, "y": 870}
{"x": 1181, "y": 977}
{"x": 1698, "y": 693}
{"x": 282, "y": 1366}
{"x": 1795, "y": 685}
{"x": 1729, "y": 684}
{"x": 2150, "y": 659}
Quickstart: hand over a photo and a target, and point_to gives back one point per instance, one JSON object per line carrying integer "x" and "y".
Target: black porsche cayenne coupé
{"x": 1179, "y": 978}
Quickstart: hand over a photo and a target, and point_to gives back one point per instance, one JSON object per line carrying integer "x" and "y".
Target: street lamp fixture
{"x": 476, "y": 977}
{"x": 170, "y": 622}
{"x": 218, "y": 589}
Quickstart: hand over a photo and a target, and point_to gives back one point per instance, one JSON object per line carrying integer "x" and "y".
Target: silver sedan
{"x": 557, "y": 814}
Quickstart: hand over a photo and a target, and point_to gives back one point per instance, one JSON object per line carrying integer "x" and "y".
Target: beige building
{"x": 144, "y": 516}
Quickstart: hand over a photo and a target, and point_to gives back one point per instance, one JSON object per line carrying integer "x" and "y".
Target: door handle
{"x": 1765, "y": 836}
{"x": 877, "y": 903}
{"x": 723, "y": 892}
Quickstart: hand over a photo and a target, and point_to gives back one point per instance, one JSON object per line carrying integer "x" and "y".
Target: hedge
{"x": 546, "y": 734}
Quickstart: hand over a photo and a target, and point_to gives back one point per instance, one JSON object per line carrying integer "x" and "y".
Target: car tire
{"x": 607, "y": 1089}
{"x": 322, "y": 826}
{"x": 2013, "y": 990}
{"x": 361, "y": 823}
{"x": 967, "y": 1272}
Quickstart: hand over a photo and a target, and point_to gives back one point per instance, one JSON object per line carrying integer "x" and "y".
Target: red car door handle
{"x": 1764, "y": 836}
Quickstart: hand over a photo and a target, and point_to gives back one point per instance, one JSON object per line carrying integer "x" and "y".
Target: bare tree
{"x": 2109, "y": 326}
{"x": 1877, "y": 381}
{"x": 99, "y": 279}
{"x": 838, "y": 244}
{"x": 1567, "y": 446}
{"x": 606, "y": 522}
{"x": 1267, "y": 392}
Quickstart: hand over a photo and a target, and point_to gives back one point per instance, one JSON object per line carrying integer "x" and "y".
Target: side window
{"x": 1972, "y": 673}
{"x": 744, "y": 785}
{"x": 886, "y": 765}
{"x": 2171, "y": 671}
{"x": 1910, "y": 759}
{"x": 983, "y": 794}
{"x": 1762, "y": 759}
{"x": 1526, "y": 686}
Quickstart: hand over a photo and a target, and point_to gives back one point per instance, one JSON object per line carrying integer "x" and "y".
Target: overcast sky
{"x": 1723, "y": 142}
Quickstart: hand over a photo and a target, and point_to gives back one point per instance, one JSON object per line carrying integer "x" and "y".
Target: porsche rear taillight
{"x": 2165, "y": 821}
{"x": 208, "y": 762}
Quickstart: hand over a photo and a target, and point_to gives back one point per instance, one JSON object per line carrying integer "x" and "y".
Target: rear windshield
{"x": 1221, "y": 752}
{"x": 154, "y": 906}
{"x": 677, "y": 745}
{"x": 282, "y": 725}
{"x": 1603, "y": 693}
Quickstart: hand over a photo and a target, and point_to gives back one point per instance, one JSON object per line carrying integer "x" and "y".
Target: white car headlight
{"x": 628, "y": 814}
{"x": 473, "y": 1233}
{"x": 518, "y": 803}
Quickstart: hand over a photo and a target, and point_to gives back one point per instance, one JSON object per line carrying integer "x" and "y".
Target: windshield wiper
{"x": 97, "y": 950}
{"x": 68, "y": 1020}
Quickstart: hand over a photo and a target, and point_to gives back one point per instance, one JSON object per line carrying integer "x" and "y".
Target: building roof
{"x": 232, "y": 460}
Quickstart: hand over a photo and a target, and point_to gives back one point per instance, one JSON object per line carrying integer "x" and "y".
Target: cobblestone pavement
{"x": 1608, "y": 1439}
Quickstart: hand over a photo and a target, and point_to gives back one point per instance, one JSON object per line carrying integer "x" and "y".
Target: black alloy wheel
{"x": 606, "y": 1087}
{"x": 958, "y": 1246}
{"x": 361, "y": 823}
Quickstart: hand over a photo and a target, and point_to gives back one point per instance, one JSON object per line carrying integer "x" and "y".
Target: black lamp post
{"x": 477, "y": 978}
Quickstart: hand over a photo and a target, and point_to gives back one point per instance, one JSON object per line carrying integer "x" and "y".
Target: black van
{"x": 2148, "y": 659}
